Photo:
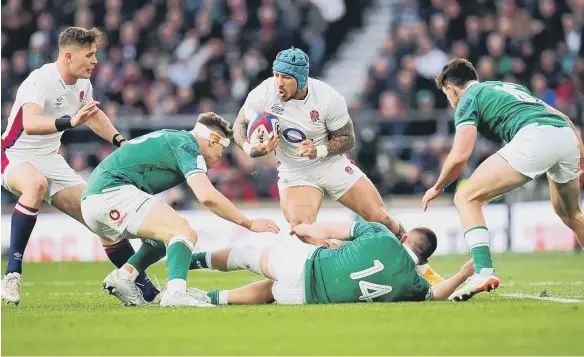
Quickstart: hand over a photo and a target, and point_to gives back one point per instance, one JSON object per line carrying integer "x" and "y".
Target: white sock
{"x": 477, "y": 237}
{"x": 209, "y": 260}
{"x": 223, "y": 298}
{"x": 176, "y": 286}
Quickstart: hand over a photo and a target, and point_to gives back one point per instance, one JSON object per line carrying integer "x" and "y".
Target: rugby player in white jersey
{"x": 315, "y": 134}
{"x": 56, "y": 97}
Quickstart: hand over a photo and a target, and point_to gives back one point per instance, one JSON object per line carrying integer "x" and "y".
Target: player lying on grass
{"x": 56, "y": 97}
{"x": 316, "y": 132}
{"x": 118, "y": 203}
{"x": 373, "y": 266}
{"x": 539, "y": 140}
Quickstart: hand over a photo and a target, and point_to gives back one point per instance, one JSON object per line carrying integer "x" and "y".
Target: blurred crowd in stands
{"x": 536, "y": 43}
{"x": 168, "y": 57}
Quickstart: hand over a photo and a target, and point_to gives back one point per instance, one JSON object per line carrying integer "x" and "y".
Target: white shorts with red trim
{"x": 53, "y": 167}
{"x": 335, "y": 176}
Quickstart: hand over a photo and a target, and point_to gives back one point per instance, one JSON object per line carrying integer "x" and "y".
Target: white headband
{"x": 207, "y": 133}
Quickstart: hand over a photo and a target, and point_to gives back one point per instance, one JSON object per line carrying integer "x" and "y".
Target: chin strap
{"x": 207, "y": 133}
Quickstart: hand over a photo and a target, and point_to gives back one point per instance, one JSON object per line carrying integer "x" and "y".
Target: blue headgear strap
{"x": 293, "y": 62}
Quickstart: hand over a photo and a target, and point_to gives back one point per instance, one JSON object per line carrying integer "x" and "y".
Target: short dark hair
{"x": 80, "y": 37}
{"x": 458, "y": 72}
{"x": 423, "y": 241}
{"x": 212, "y": 120}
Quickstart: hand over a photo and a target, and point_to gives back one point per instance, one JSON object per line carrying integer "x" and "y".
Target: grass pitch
{"x": 63, "y": 312}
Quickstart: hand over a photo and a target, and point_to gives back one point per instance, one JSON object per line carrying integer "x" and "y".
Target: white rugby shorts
{"x": 335, "y": 176}
{"x": 117, "y": 212}
{"x": 286, "y": 264}
{"x": 53, "y": 167}
{"x": 538, "y": 149}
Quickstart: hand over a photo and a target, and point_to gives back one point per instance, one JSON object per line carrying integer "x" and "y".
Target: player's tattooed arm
{"x": 240, "y": 129}
{"x": 341, "y": 140}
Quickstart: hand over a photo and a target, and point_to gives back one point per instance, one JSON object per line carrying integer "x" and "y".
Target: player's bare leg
{"x": 364, "y": 199}
{"x": 234, "y": 259}
{"x": 481, "y": 187}
{"x": 163, "y": 224}
{"x": 566, "y": 201}
{"x": 256, "y": 293}
{"x": 27, "y": 182}
{"x": 68, "y": 201}
{"x": 300, "y": 204}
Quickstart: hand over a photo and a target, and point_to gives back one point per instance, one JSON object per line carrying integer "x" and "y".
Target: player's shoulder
{"x": 263, "y": 90}
{"x": 45, "y": 75}
{"x": 325, "y": 96}
{"x": 323, "y": 90}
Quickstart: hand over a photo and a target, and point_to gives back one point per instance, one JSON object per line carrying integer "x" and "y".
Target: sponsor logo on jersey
{"x": 81, "y": 96}
{"x": 114, "y": 214}
{"x": 58, "y": 102}
{"x": 314, "y": 116}
{"x": 277, "y": 109}
{"x": 18, "y": 256}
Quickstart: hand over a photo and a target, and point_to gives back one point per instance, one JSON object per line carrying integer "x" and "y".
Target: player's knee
{"x": 188, "y": 231}
{"x": 571, "y": 219}
{"x": 461, "y": 199}
{"x": 35, "y": 187}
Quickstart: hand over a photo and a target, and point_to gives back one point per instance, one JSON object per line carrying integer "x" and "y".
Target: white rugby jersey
{"x": 323, "y": 110}
{"x": 45, "y": 87}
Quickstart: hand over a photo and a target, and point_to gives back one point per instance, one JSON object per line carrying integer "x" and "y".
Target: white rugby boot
{"x": 11, "y": 284}
{"x": 125, "y": 290}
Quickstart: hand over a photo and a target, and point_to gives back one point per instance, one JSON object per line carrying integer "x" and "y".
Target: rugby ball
{"x": 263, "y": 125}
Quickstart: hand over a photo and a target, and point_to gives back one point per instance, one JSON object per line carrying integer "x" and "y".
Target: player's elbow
{"x": 208, "y": 200}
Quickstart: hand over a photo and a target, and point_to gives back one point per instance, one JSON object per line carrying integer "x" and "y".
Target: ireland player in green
{"x": 539, "y": 139}
{"x": 372, "y": 266}
{"x": 118, "y": 203}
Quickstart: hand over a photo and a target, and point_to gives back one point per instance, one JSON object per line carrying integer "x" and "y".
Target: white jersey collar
{"x": 412, "y": 254}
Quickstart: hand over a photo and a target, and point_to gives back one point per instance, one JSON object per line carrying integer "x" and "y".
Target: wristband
{"x": 247, "y": 147}
{"x": 62, "y": 124}
{"x": 118, "y": 141}
{"x": 247, "y": 223}
{"x": 321, "y": 151}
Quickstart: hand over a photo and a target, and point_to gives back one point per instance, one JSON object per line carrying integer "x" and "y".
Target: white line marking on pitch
{"x": 541, "y": 283}
{"x": 537, "y": 297}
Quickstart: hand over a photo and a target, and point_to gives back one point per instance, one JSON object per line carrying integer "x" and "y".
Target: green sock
{"x": 178, "y": 258}
{"x": 478, "y": 242}
{"x": 149, "y": 253}
{"x": 214, "y": 295}
{"x": 199, "y": 261}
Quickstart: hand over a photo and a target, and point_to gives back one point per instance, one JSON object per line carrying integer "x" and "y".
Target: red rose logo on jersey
{"x": 81, "y": 96}
{"x": 314, "y": 116}
{"x": 349, "y": 170}
{"x": 114, "y": 214}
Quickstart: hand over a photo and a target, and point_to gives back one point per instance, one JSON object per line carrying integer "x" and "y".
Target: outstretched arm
{"x": 443, "y": 290}
{"x": 464, "y": 141}
{"x": 321, "y": 231}
{"x": 103, "y": 127}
